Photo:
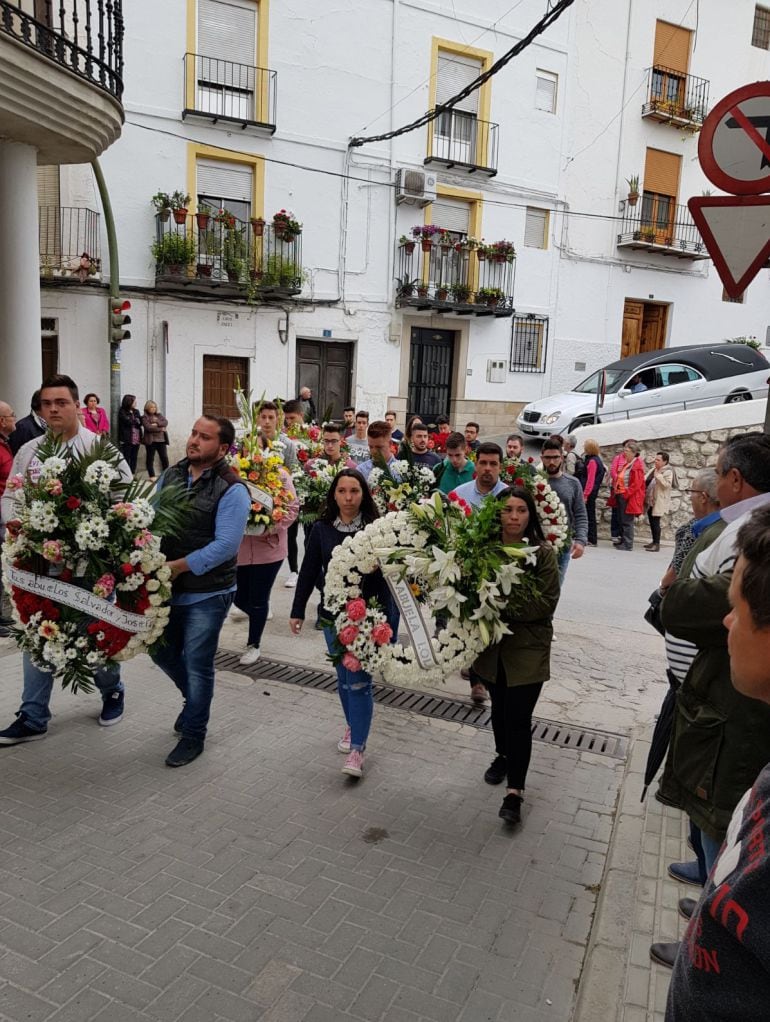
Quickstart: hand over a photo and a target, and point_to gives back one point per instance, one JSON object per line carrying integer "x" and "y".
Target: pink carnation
{"x": 143, "y": 539}
{"x": 348, "y": 635}
{"x": 54, "y": 487}
{"x": 356, "y": 609}
{"x": 351, "y": 663}
{"x": 15, "y": 483}
{"x": 52, "y": 551}
{"x": 104, "y": 586}
{"x": 382, "y": 634}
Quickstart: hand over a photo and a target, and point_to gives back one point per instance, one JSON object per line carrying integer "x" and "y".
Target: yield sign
{"x": 736, "y": 232}
{"x": 734, "y": 143}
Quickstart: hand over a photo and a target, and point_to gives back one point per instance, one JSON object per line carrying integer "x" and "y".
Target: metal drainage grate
{"x": 601, "y": 743}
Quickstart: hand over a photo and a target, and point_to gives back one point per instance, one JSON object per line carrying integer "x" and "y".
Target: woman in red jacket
{"x": 628, "y": 491}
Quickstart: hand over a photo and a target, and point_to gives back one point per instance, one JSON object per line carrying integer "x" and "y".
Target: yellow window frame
{"x": 475, "y": 201}
{"x": 263, "y": 17}
{"x": 209, "y": 152}
{"x": 485, "y": 91}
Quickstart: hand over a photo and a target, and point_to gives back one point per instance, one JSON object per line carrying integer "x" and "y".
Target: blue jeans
{"x": 355, "y": 691}
{"x": 564, "y": 559}
{"x": 255, "y": 583}
{"x": 187, "y": 657}
{"x": 38, "y": 686}
{"x": 709, "y": 846}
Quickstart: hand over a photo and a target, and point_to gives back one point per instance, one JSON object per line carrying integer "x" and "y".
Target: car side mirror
{"x": 624, "y": 392}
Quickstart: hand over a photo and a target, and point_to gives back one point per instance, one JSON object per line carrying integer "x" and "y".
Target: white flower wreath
{"x": 416, "y": 547}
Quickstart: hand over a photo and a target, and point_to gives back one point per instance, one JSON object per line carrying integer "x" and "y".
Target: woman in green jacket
{"x": 515, "y": 668}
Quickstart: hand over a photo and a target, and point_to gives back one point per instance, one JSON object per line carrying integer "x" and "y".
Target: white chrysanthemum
{"x": 41, "y": 516}
{"x": 52, "y": 468}
{"x": 100, "y": 474}
{"x": 90, "y": 533}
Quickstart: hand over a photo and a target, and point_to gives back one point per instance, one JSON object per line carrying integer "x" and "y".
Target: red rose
{"x": 518, "y": 481}
{"x": 73, "y": 503}
{"x": 127, "y": 569}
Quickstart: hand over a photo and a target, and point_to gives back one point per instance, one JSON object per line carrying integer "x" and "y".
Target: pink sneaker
{"x": 354, "y": 764}
{"x": 343, "y": 745}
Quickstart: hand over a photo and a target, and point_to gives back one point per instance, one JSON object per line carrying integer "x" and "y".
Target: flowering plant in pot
{"x": 162, "y": 203}
{"x": 286, "y": 225}
{"x": 225, "y": 217}
{"x": 466, "y": 245}
{"x": 460, "y": 292}
{"x": 407, "y": 244}
{"x": 502, "y": 251}
{"x": 179, "y": 203}
{"x": 490, "y": 296}
{"x": 425, "y": 233}
{"x": 203, "y": 216}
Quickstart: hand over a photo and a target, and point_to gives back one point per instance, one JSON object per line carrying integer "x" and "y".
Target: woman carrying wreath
{"x": 515, "y": 668}
{"x": 349, "y": 508}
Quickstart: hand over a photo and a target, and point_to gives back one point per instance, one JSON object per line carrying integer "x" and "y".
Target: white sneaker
{"x": 269, "y": 613}
{"x": 238, "y": 615}
{"x": 250, "y": 656}
{"x": 354, "y": 764}
{"x": 343, "y": 745}
{"x": 291, "y": 581}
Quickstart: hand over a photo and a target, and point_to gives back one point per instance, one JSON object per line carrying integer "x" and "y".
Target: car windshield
{"x": 615, "y": 378}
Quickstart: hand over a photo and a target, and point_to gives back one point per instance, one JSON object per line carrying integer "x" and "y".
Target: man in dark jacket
{"x": 723, "y": 966}
{"x": 29, "y": 427}
{"x": 720, "y": 738}
{"x": 202, "y": 563}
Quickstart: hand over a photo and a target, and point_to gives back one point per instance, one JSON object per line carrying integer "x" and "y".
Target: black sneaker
{"x": 510, "y": 810}
{"x": 112, "y": 709}
{"x": 186, "y": 751}
{"x": 19, "y": 732}
{"x": 497, "y": 771}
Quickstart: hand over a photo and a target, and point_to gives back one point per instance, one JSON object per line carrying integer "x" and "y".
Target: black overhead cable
{"x": 548, "y": 19}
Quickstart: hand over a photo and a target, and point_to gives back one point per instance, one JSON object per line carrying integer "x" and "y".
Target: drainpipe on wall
{"x": 112, "y": 247}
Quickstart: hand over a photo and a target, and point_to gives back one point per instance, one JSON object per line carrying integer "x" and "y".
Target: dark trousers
{"x": 162, "y": 454}
{"x": 292, "y": 534}
{"x": 626, "y": 523}
{"x": 591, "y": 512}
{"x": 512, "y": 709}
{"x": 255, "y": 583}
{"x": 130, "y": 452}
{"x": 654, "y": 521}
{"x": 615, "y": 530}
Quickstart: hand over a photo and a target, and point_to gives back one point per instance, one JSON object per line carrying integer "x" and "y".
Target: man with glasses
{"x": 570, "y": 493}
{"x": 7, "y": 426}
{"x": 332, "y": 443}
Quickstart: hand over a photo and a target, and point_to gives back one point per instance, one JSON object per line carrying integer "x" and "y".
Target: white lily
{"x": 444, "y": 565}
{"x": 448, "y": 596}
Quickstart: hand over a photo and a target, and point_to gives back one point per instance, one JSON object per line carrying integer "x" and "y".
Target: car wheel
{"x": 583, "y": 421}
{"x": 741, "y": 396}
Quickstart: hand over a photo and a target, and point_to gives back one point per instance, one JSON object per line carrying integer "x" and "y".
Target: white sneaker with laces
{"x": 291, "y": 581}
{"x": 343, "y": 745}
{"x": 354, "y": 764}
{"x": 250, "y": 656}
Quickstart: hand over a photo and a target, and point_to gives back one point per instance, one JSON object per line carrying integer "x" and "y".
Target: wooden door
{"x": 633, "y": 317}
{"x": 653, "y": 327}
{"x": 326, "y": 367}
{"x": 221, "y": 376}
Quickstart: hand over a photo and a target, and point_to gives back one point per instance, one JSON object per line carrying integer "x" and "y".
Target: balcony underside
{"x": 459, "y": 166}
{"x": 43, "y": 105}
{"x": 679, "y": 120}
{"x": 215, "y": 289}
{"x": 643, "y": 245}
{"x": 253, "y": 127}
{"x": 436, "y": 308}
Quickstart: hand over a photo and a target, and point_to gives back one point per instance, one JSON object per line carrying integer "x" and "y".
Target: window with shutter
{"x": 455, "y": 136}
{"x": 225, "y": 185}
{"x": 671, "y": 58}
{"x": 760, "y": 35}
{"x": 536, "y": 228}
{"x": 545, "y": 91}
{"x": 453, "y": 215}
{"x": 49, "y": 211}
{"x": 226, "y": 72}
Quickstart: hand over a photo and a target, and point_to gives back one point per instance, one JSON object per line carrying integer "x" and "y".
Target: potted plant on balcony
{"x": 647, "y": 234}
{"x": 441, "y": 292}
{"x": 460, "y": 292}
{"x": 203, "y": 216}
{"x": 502, "y": 251}
{"x": 633, "y": 189}
{"x": 405, "y": 287}
{"x": 162, "y": 203}
{"x": 465, "y": 245}
{"x": 444, "y": 239}
{"x": 424, "y": 233}
{"x": 483, "y": 251}
{"x": 234, "y": 254}
{"x": 490, "y": 296}
{"x": 257, "y": 225}
{"x": 225, "y": 218}
{"x": 173, "y": 252}
{"x": 422, "y": 290}
{"x": 285, "y": 225}
{"x": 179, "y": 203}
{"x": 407, "y": 244}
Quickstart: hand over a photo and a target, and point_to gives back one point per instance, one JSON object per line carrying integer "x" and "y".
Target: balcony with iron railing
{"x": 459, "y": 141}
{"x": 676, "y": 98}
{"x": 69, "y": 244}
{"x": 227, "y": 256}
{"x": 454, "y": 279}
{"x": 658, "y": 225}
{"x": 61, "y": 76}
{"x": 221, "y": 90}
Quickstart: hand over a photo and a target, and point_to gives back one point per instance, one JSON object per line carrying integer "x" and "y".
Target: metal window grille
{"x": 529, "y": 341}
{"x": 760, "y": 35}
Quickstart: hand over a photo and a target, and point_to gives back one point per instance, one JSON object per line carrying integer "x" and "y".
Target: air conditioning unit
{"x": 415, "y": 187}
{"x": 495, "y": 371}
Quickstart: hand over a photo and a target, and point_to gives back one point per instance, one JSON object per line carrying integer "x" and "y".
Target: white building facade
{"x": 248, "y": 106}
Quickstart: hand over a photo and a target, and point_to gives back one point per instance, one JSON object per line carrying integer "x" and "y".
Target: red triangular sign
{"x": 736, "y": 233}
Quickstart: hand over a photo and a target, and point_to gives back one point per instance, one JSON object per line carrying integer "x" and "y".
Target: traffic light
{"x": 119, "y": 320}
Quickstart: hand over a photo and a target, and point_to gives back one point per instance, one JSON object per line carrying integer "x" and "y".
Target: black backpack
{"x": 581, "y": 472}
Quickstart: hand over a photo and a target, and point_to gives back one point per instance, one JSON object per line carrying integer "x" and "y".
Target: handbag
{"x": 652, "y": 614}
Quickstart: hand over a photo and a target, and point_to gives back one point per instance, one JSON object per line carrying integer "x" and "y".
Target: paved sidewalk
{"x": 259, "y": 884}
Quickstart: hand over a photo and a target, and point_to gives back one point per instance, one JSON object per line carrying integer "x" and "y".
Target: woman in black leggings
{"x": 515, "y": 668}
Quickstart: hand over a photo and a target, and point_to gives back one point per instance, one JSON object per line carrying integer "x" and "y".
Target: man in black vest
{"x": 202, "y": 563}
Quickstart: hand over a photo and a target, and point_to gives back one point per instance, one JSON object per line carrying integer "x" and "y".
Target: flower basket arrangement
{"x": 87, "y": 579}
{"x": 260, "y": 470}
{"x": 399, "y": 484}
{"x": 285, "y": 225}
{"x": 312, "y": 486}
{"x": 550, "y": 510}
{"x": 308, "y": 440}
{"x": 451, "y": 576}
